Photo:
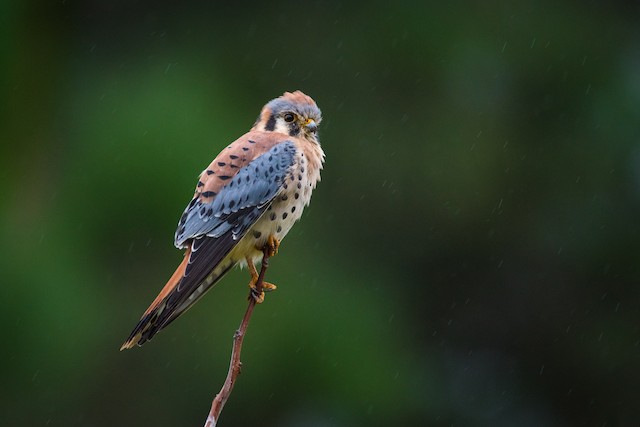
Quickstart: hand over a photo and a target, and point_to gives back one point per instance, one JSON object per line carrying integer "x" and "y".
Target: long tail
{"x": 172, "y": 301}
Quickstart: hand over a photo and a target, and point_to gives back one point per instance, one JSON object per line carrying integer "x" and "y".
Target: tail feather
{"x": 205, "y": 261}
{"x": 160, "y": 314}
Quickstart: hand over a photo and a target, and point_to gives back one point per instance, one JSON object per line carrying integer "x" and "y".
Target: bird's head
{"x": 294, "y": 114}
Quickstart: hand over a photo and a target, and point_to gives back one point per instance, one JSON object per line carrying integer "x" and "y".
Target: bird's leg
{"x": 266, "y": 286}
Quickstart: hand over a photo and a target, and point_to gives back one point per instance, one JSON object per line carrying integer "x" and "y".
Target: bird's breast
{"x": 287, "y": 206}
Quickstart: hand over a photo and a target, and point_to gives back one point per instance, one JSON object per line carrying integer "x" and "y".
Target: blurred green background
{"x": 470, "y": 257}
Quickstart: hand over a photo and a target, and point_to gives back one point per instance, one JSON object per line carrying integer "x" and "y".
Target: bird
{"x": 245, "y": 202}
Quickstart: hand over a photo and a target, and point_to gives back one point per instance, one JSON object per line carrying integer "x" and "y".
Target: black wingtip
{"x": 143, "y": 332}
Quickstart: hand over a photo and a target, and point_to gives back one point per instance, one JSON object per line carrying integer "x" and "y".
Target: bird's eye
{"x": 288, "y": 117}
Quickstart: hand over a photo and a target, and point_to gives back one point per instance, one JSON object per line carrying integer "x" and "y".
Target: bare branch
{"x": 235, "y": 364}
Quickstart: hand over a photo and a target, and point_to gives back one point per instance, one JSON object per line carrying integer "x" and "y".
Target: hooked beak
{"x": 311, "y": 126}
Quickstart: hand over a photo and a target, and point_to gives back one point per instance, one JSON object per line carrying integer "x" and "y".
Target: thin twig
{"x": 236, "y": 364}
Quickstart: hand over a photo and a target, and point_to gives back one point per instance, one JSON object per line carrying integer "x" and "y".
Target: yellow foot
{"x": 271, "y": 247}
{"x": 266, "y": 286}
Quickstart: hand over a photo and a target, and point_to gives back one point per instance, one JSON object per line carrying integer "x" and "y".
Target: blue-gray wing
{"x": 240, "y": 202}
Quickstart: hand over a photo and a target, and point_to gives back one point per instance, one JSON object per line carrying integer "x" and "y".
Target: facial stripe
{"x": 271, "y": 123}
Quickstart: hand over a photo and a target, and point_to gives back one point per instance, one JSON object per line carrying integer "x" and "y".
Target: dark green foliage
{"x": 470, "y": 257}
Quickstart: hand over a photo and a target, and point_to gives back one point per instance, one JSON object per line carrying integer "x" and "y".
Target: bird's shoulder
{"x": 237, "y": 155}
{"x": 245, "y": 176}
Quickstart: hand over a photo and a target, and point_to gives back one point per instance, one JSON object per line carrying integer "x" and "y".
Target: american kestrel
{"x": 245, "y": 200}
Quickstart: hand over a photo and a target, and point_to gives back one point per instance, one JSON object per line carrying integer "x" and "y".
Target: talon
{"x": 272, "y": 245}
{"x": 266, "y": 286}
{"x": 258, "y": 298}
